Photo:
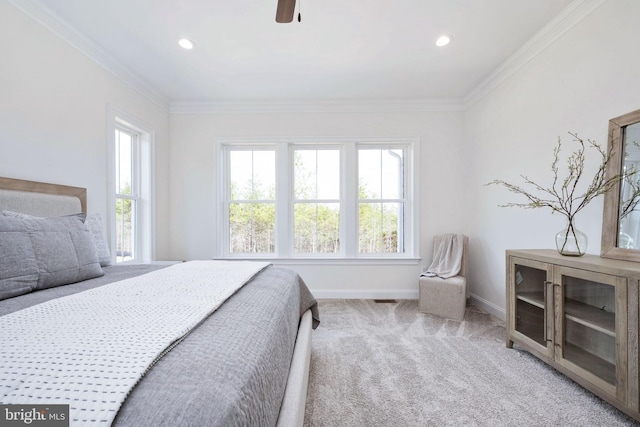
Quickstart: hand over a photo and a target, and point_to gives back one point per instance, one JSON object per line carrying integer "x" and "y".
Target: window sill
{"x": 330, "y": 261}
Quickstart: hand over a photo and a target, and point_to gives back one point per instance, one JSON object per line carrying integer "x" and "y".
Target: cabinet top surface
{"x": 588, "y": 262}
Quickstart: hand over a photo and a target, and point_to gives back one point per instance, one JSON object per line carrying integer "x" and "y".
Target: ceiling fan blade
{"x": 284, "y": 12}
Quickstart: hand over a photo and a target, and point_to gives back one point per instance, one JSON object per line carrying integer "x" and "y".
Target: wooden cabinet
{"x": 579, "y": 315}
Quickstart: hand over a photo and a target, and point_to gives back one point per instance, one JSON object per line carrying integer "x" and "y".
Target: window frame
{"x": 144, "y": 170}
{"x": 134, "y": 197}
{"x": 291, "y": 201}
{"x": 226, "y": 199}
{"x": 404, "y": 200}
{"x": 349, "y": 202}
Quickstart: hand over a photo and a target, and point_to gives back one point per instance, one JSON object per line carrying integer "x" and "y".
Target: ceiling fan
{"x": 285, "y": 10}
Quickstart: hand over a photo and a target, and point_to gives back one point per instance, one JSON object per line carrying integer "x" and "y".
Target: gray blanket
{"x": 229, "y": 371}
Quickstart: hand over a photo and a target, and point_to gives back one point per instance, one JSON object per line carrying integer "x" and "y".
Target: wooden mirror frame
{"x": 611, "y": 210}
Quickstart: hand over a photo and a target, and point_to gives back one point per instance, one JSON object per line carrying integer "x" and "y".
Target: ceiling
{"x": 359, "y": 49}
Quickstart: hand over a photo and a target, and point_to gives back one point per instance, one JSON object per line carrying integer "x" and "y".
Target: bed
{"x": 245, "y": 362}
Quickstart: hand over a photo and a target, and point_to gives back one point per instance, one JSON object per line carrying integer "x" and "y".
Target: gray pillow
{"x": 81, "y": 215}
{"x": 43, "y": 253}
{"x": 18, "y": 271}
{"x": 93, "y": 223}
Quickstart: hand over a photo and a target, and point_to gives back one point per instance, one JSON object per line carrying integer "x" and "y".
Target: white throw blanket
{"x": 90, "y": 349}
{"x": 447, "y": 257}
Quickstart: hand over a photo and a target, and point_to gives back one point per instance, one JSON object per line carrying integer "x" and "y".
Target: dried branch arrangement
{"x": 565, "y": 195}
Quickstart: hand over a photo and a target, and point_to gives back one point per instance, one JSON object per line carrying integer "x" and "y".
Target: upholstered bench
{"x": 445, "y": 297}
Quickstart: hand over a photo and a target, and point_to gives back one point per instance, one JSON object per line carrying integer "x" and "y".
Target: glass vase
{"x": 570, "y": 241}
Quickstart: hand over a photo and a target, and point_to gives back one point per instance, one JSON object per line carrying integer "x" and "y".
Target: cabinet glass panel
{"x": 530, "y": 308}
{"x": 589, "y": 333}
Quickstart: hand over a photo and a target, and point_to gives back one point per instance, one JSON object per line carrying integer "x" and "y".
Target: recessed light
{"x": 186, "y": 44}
{"x": 444, "y": 40}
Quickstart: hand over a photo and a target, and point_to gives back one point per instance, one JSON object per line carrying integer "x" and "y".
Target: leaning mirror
{"x": 621, "y": 217}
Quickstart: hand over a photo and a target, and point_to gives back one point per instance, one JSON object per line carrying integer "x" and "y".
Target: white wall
{"x": 53, "y": 114}
{"x": 193, "y": 177}
{"x": 588, "y": 76}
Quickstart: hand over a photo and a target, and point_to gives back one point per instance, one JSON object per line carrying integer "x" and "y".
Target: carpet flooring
{"x": 387, "y": 364}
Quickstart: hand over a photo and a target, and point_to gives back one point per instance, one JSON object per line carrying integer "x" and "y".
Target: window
{"x": 127, "y": 191}
{"x": 316, "y": 201}
{"x": 251, "y": 210}
{"x": 130, "y": 219}
{"x": 381, "y": 200}
{"x": 306, "y": 199}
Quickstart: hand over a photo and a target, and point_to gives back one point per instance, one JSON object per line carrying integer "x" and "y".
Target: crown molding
{"x": 69, "y": 34}
{"x": 316, "y": 106}
{"x": 567, "y": 19}
{"x": 563, "y": 22}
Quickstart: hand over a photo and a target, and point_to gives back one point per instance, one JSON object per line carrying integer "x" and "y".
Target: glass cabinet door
{"x": 530, "y": 309}
{"x": 588, "y": 327}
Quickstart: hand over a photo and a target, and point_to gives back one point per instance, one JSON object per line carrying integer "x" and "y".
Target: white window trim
{"x": 406, "y": 200}
{"x": 284, "y": 196}
{"x": 145, "y": 225}
{"x": 135, "y": 187}
{"x": 289, "y": 197}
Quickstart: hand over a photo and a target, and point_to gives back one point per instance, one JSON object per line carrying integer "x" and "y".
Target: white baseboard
{"x": 365, "y": 293}
{"x": 489, "y": 307}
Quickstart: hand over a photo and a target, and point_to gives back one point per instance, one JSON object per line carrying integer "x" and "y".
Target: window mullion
{"x": 135, "y": 167}
{"x": 349, "y": 201}
{"x": 225, "y": 198}
{"x": 135, "y": 191}
{"x": 284, "y": 193}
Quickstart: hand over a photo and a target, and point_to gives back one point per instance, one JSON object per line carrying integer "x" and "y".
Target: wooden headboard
{"x": 41, "y": 198}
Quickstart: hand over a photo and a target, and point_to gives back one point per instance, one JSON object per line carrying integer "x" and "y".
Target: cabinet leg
{"x": 509, "y": 343}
